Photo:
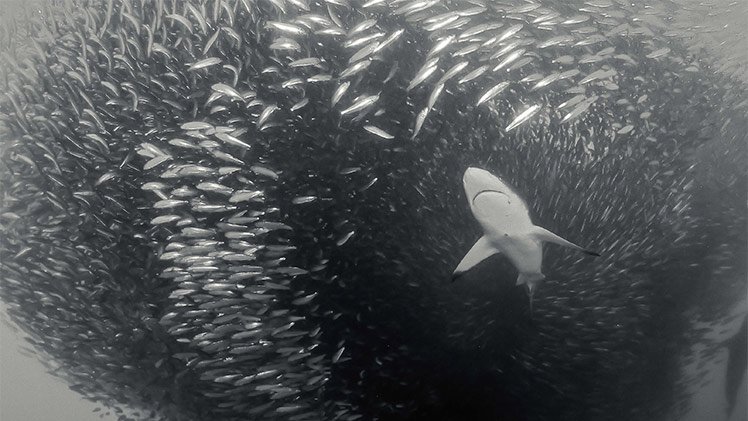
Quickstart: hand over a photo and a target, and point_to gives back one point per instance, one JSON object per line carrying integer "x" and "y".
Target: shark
{"x": 507, "y": 229}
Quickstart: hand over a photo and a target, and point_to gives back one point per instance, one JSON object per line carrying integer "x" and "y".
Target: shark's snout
{"x": 476, "y": 180}
{"x": 473, "y": 175}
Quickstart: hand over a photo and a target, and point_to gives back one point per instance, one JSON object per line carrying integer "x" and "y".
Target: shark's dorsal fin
{"x": 543, "y": 234}
{"x": 481, "y": 250}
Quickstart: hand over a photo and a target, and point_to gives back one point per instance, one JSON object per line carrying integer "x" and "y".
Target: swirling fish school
{"x": 239, "y": 209}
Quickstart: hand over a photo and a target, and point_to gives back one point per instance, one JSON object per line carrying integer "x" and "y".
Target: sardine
{"x": 378, "y": 132}
{"x": 523, "y": 117}
{"x": 489, "y": 94}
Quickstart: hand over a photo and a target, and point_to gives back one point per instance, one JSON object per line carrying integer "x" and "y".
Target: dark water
{"x": 237, "y": 210}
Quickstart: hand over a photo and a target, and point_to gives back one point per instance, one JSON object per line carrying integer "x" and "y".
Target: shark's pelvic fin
{"x": 481, "y": 250}
{"x": 543, "y": 234}
{"x": 531, "y": 280}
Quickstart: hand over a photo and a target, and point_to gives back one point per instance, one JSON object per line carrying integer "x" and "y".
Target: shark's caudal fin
{"x": 481, "y": 250}
{"x": 545, "y": 235}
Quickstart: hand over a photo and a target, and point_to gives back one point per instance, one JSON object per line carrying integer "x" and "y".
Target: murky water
{"x": 379, "y": 210}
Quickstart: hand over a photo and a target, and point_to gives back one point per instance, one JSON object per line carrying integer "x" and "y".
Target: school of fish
{"x": 235, "y": 209}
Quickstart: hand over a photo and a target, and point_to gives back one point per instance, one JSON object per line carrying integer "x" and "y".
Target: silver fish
{"x": 227, "y": 90}
{"x": 510, "y": 31}
{"x": 472, "y": 11}
{"x": 546, "y": 81}
{"x": 169, "y": 203}
{"x": 468, "y": 49}
{"x": 181, "y": 19}
{"x": 360, "y": 104}
{"x": 363, "y": 26}
{"x": 523, "y": 117}
{"x": 245, "y": 195}
{"x": 338, "y": 94}
{"x": 478, "y": 29}
{"x": 598, "y": 74}
{"x": 305, "y": 62}
{"x": 338, "y": 354}
{"x": 299, "y": 200}
{"x": 557, "y": 40}
{"x": 296, "y": 81}
{"x": 304, "y": 300}
{"x": 440, "y": 45}
{"x": 658, "y": 53}
{"x": 573, "y": 101}
{"x": 165, "y": 219}
{"x": 514, "y": 55}
{"x": 212, "y": 40}
{"x": 532, "y": 78}
{"x": 453, "y": 71}
{"x": 473, "y": 74}
{"x": 197, "y": 125}
{"x": 187, "y": 170}
{"x": 231, "y": 140}
{"x": 492, "y": 92}
{"x": 521, "y": 63}
{"x": 435, "y": 95}
{"x": 579, "y": 109}
{"x": 626, "y": 129}
{"x": 322, "y": 77}
{"x": 390, "y": 40}
{"x": 355, "y": 69}
{"x": 420, "y": 119}
{"x": 568, "y": 74}
{"x": 358, "y": 42}
{"x": 373, "y": 3}
{"x": 426, "y": 70}
{"x": 183, "y": 143}
{"x": 286, "y": 28}
{"x": 206, "y": 62}
{"x": 378, "y": 132}
{"x": 576, "y": 19}
{"x": 415, "y": 6}
{"x": 156, "y": 161}
{"x": 284, "y": 43}
{"x": 364, "y": 52}
{"x": 349, "y": 170}
{"x": 264, "y": 171}
{"x": 265, "y": 115}
{"x": 154, "y": 185}
{"x": 299, "y": 105}
{"x": 565, "y": 59}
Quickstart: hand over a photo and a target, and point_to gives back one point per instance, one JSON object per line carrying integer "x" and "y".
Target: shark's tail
{"x": 530, "y": 293}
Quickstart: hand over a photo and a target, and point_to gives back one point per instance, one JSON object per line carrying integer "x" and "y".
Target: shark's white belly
{"x": 525, "y": 253}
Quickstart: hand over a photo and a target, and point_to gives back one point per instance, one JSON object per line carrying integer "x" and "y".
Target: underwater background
{"x": 252, "y": 209}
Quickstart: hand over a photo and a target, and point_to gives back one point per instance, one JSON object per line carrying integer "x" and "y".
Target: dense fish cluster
{"x": 234, "y": 209}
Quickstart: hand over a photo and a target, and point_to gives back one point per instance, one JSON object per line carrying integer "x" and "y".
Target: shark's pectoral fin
{"x": 543, "y": 234}
{"x": 481, "y": 250}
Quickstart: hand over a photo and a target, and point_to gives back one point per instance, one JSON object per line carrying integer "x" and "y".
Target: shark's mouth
{"x": 475, "y": 196}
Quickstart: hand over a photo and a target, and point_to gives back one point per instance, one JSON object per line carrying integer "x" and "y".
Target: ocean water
{"x": 266, "y": 210}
